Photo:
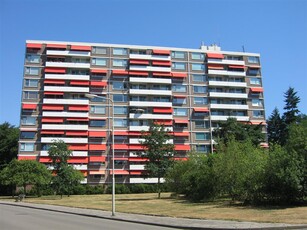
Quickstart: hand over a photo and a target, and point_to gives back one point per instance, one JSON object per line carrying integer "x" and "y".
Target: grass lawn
{"x": 166, "y": 206}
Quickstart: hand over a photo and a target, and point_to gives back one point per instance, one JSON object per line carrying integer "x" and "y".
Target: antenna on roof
{"x": 243, "y": 48}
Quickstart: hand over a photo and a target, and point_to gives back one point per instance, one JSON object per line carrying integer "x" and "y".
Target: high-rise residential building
{"x": 187, "y": 90}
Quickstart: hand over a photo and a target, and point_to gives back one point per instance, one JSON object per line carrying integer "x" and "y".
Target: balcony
{"x": 67, "y": 77}
{"x": 68, "y": 53}
{"x": 64, "y": 127}
{"x": 150, "y": 116}
{"x": 150, "y": 80}
{"x": 79, "y": 167}
{"x": 137, "y": 167}
{"x": 68, "y": 65}
{"x": 227, "y": 83}
{"x": 228, "y": 95}
{"x": 64, "y": 114}
{"x": 225, "y": 72}
{"x": 145, "y": 180}
{"x": 226, "y": 62}
{"x": 146, "y": 128}
{"x": 150, "y": 104}
{"x": 149, "y": 68}
{"x": 150, "y": 92}
{"x": 66, "y": 89}
{"x": 150, "y": 57}
{"x": 137, "y": 141}
{"x": 224, "y": 118}
{"x": 229, "y": 106}
{"x": 66, "y": 101}
{"x": 74, "y": 153}
{"x": 65, "y": 139}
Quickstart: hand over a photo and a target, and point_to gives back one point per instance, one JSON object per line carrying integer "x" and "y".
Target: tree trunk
{"x": 159, "y": 190}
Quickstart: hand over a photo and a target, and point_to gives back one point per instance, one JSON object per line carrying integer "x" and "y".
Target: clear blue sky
{"x": 277, "y": 29}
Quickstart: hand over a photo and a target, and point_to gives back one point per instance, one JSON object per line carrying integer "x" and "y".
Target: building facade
{"x": 186, "y": 90}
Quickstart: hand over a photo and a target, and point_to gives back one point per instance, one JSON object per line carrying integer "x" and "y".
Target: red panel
{"x": 55, "y": 70}
{"x": 52, "y": 132}
{"x": 121, "y": 133}
{"x": 78, "y": 108}
{"x": 99, "y": 71}
{"x": 97, "y": 159}
{"x": 45, "y": 160}
{"x": 83, "y": 48}
{"x": 78, "y": 160}
{"x": 99, "y": 83}
{"x": 213, "y": 66}
{"x": 120, "y": 172}
{"x": 76, "y": 133}
{"x": 138, "y": 73}
{"x": 57, "y": 82}
{"x": 215, "y": 55}
{"x": 33, "y": 158}
{"x": 78, "y": 147}
{"x": 137, "y": 159}
{"x": 256, "y": 89}
{"x": 139, "y": 62}
{"x": 120, "y": 158}
{"x": 182, "y": 147}
{"x": 97, "y": 147}
{"x": 170, "y": 122}
{"x": 53, "y": 107}
{"x": 119, "y": 72}
{"x": 201, "y": 110}
{"x": 258, "y": 122}
{"x": 162, "y": 63}
{"x": 97, "y": 133}
{"x": 162, "y": 110}
{"x": 97, "y": 172}
{"x": 34, "y": 46}
{"x": 78, "y": 119}
{"x": 236, "y": 66}
{"x": 254, "y": 67}
{"x": 162, "y": 74}
{"x": 53, "y": 93}
{"x": 180, "y": 158}
{"x": 138, "y": 172}
{"x": 136, "y": 147}
{"x": 179, "y": 75}
{"x": 52, "y": 120}
{"x": 135, "y": 133}
{"x": 29, "y": 106}
{"x": 178, "y": 121}
{"x": 121, "y": 146}
{"x": 164, "y": 52}
{"x": 57, "y": 46}
{"x": 181, "y": 134}
{"x": 79, "y": 83}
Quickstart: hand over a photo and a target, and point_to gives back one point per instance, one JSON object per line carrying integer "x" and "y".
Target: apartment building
{"x": 186, "y": 90}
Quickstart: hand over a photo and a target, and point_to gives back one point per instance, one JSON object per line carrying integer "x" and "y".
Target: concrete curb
{"x": 182, "y": 223}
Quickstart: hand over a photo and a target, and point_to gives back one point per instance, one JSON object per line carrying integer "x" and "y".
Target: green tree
{"x": 25, "y": 172}
{"x": 158, "y": 152}
{"x": 291, "y": 106}
{"x": 8, "y": 143}
{"x": 66, "y": 176}
{"x": 275, "y": 125}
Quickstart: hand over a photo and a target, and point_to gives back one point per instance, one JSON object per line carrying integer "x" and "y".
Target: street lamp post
{"x": 113, "y": 173}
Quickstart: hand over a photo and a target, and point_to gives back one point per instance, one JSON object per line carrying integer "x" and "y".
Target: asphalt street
{"x": 21, "y": 218}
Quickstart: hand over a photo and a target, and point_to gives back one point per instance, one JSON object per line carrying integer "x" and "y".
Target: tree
{"x": 8, "y": 143}
{"x": 275, "y": 124}
{"x": 25, "y": 172}
{"x": 158, "y": 151}
{"x": 66, "y": 176}
{"x": 291, "y": 109}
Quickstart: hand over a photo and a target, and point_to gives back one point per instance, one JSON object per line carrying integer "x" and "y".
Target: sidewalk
{"x": 182, "y": 223}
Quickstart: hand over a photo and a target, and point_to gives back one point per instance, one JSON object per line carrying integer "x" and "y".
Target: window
{"x": 98, "y": 99}
{"x": 30, "y": 95}
{"x": 32, "y": 58}
{"x": 28, "y": 120}
{"x": 26, "y": 147}
{"x": 178, "y": 54}
{"x": 200, "y": 100}
{"x": 120, "y": 122}
{"x": 201, "y": 124}
{"x": 97, "y": 123}
{"x": 161, "y": 99}
{"x": 178, "y": 65}
{"x": 197, "y": 66}
{"x": 138, "y": 98}
{"x": 255, "y": 81}
{"x": 119, "y": 85}
{"x": 199, "y": 89}
{"x": 179, "y": 88}
{"x": 32, "y": 70}
{"x": 202, "y": 148}
{"x": 27, "y": 135}
{"x": 119, "y": 51}
{"x": 31, "y": 82}
{"x": 120, "y": 110}
{"x": 253, "y": 60}
{"x": 199, "y": 78}
{"x": 99, "y": 50}
{"x": 99, "y": 61}
{"x": 202, "y": 136}
{"x": 253, "y": 72}
{"x": 258, "y": 113}
{"x": 198, "y": 56}
{"x": 119, "y": 98}
{"x": 98, "y": 109}
{"x": 180, "y": 112}
{"x": 256, "y": 102}
{"x": 179, "y": 100}
{"x": 119, "y": 63}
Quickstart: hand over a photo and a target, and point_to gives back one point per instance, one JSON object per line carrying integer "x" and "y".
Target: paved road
{"x": 20, "y": 218}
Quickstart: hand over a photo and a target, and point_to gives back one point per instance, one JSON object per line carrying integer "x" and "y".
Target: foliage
{"x": 25, "y": 172}
{"x": 275, "y": 124}
{"x": 158, "y": 152}
{"x": 8, "y": 143}
{"x": 291, "y": 103}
